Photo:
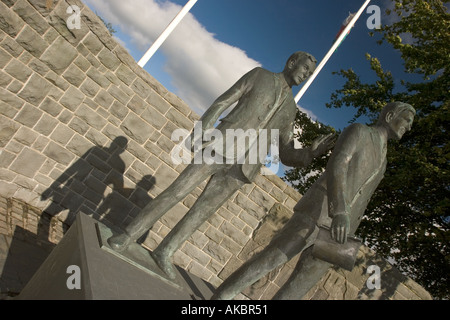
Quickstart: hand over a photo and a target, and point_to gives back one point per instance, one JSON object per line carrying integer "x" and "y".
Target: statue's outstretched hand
{"x": 322, "y": 144}
{"x": 340, "y": 227}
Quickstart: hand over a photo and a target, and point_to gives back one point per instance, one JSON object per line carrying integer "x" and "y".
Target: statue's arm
{"x": 227, "y": 99}
{"x": 292, "y": 157}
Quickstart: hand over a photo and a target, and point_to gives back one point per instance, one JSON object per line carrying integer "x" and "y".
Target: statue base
{"x": 83, "y": 267}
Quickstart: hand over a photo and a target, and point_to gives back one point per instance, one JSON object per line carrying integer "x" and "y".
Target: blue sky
{"x": 220, "y": 40}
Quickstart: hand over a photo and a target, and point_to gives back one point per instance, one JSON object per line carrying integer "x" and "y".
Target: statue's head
{"x": 299, "y": 67}
{"x": 397, "y": 117}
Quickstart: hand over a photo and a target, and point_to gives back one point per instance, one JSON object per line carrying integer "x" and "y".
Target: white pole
{"x": 330, "y": 53}
{"x": 172, "y": 25}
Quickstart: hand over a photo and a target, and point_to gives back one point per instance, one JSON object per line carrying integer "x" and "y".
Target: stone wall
{"x": 84, "y": 129}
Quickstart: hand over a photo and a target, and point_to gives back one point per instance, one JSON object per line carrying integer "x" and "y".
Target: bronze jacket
{"x": 264, "y": 102}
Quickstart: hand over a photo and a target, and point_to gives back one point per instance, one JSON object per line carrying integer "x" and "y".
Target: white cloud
{"x": 309, "y": 113}
{"x": 201, "y": 67}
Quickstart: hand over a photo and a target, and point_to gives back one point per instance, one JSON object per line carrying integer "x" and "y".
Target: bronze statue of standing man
{"x": 264, "y": 102}
{"x": 336, "y": 200}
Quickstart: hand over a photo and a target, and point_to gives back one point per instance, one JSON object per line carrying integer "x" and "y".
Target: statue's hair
{"x": 300, "y": 55}
{"x": 396, "y": 108}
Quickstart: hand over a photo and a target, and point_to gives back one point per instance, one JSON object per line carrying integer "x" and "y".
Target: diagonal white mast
{"x": 172, "y": 25}
{"x": 330, "y": 53}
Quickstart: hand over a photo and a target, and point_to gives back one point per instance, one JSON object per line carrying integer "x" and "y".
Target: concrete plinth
{"x": 83, "y": 266}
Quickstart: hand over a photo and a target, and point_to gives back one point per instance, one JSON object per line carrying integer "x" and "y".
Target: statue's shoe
{"x": 119, "y": 242}
{"x": 164, "y": 264}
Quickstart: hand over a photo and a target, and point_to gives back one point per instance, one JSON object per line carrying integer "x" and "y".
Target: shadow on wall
{"x": 98, "y": 178}
{"x": 94, "y": 185}
{"x": 20, "y": 257}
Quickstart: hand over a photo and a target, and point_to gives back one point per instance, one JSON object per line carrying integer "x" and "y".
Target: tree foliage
{"x": 407, "y": 218}
{"x": 306, "y": 131}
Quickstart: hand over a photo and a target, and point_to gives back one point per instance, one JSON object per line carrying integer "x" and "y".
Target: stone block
{"x": 58, "y": 153}
{"x": 108, "y": 59}
{"x": 166, "y": 145}
{"x": 89, "y": 88}
{"x": 31, "y": 16}
{"x": 7, "y": 130}
{"x": 29, "y": 115}
{"x": 96, "y": 137}
{"x": 158, "y": 102}
{"x": 177, "y": 103}
{"x": 196, "y": 254}
{"x": 59, "y": 55}
{"x": 28, "y": 162}
{"x": 141, "y": 88}
{"x": 217, "y": 252}
{"x": 15, "y": 86}
{"x": 231, "y": 231}
{"x": 6, "y": 158}
{"x": 30, "y": 40}
{"x": 92, "y": 118}
{"x": 40, "y": 143}
{"x": 72, "y": 98}
{"x": 261, "y": 198}
{"x": 58, "y": 81}
{"x": 104, "y": 99}
{"x": 41, "y": 6}
{"x": 25, "y": 136}
{"x": 119, "y": 94}
{"x": 99, "y": 78}
{"x": 7, "y": 110}
{"x": 93, "y": 22}
{"x": 136, "y": 128}
{"x": 46, "y": 125}
{"x": 18, "y": 70}
{"x": 5, "y": 57}
{"x": 51, "y": 35}
{"x": 249, "y": 206}
{"x": 180, "y": 120}
{"x": 11, "y": 46}
{"x": 137, "y": 104}
{"x": 74, "y": 75}
{"x": 51, "y": 107}
{"x": 174, "y": 215}
{"x": 35, "y": 90}
{"x": 156, "y": 119}
{"x": 79, "y": 145}
{"x": 10, "y": 22}
{"x": 82, "y": 63}
{"x": 60, "y": 19}
{"x": 125, "y": 74}
{"x": 38, "y": 66}
{"x": 136, "y": 150}
{"x": 62, "y": 134}
{"x": 165, "y": 176}
{"x": 92, "y": 42}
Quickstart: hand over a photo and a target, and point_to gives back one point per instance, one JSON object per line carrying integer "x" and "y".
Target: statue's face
{"x": 300, "y": 71}
{"x": 401, "y": 124}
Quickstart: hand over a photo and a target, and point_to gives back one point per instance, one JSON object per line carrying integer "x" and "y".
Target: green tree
{"x": 306, "y": 131}
{"x": 108, "y": 25}
{"x": 407, "y": 218}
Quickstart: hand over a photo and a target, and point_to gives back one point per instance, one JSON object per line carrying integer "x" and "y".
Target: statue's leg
{"x": 306, "y": 274}
{"x": 295, "y": 236}
{"x": 251, "y": 271}
{"x": 189, "y": 178}
{"x": 219, "y": 189}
